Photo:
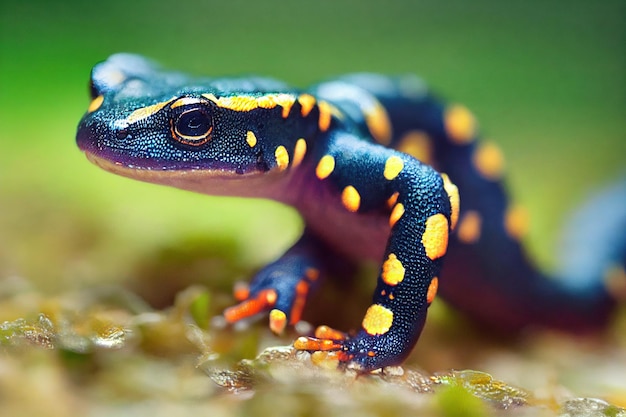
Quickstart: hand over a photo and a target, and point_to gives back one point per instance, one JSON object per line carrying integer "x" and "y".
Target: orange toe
{"x": 278, "y": 321}
{"x": 314, "y": 344}
{"x": 262, "y": 302}
{"x": 325, "y": 332}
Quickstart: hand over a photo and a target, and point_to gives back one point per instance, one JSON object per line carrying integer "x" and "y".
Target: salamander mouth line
{"x": 162, "y": 175}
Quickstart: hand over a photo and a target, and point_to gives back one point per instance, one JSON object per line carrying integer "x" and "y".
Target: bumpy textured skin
{"x": 346, "y": 154}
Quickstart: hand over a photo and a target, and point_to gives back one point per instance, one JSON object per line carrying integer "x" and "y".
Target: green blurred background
{"x": 546, "y": 79}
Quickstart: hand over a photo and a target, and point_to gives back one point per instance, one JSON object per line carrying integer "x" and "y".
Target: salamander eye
{"x": 193, "y": 127}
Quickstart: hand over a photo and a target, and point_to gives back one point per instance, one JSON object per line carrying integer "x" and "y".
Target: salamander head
{"x": 161, "y": 126}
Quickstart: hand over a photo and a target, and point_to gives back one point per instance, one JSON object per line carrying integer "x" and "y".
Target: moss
{"x": 456, "y": 401}
{"x": 110, "y": 350}
{"x": 482, "y": 385}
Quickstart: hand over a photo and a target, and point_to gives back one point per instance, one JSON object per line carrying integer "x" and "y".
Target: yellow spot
{"x": 378, "y": 123}
{"x": 489, "y": 161}
{"x": 278, "y": 321}
{"x": 95, "y": 104}
{"x": 377, "y": 320}
{"x": 211, "y": 97}
{"x": 460, "y": 124}
{"x": 396, "y": 214}
{"x": 391, "y": 201}
{"x": 351, "y": 198}
{"x": 417, "y": 144}
{"x": 469, "y": 227}
{"x": 435, "y": 237}
{"x": 325, "y": 167}
{"x": 392, "y": 270}
{"x": 516, "y": 221}
{"x": 185, "y": 101}
{"x": 282, "y": 157}
{"x": 145, "y": 112}
{"x": 264, "y": 102}
{"x": 286, "y": 109}
{"x": 285, "y": 101}
{"x": 299, "y": 152}
{"x": 307, "y": 102}
{"x": 251, "y": 138}
{"x": 270, "y": 101}
{"x": 455, "y": 200}
{"x": 393, "y": 167}
{"x": 238, "y": 103}
{"x": 248, "y": 103}
{"x": 432, "y": 290}
{"x": 325, "y": 115}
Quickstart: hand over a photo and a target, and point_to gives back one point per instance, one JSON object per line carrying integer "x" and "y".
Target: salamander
{"x": 379, "y": 168}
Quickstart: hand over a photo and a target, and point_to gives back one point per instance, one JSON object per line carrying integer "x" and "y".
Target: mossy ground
{"x": 104, "y": 351}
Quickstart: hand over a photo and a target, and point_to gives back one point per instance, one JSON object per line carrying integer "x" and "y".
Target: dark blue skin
{"x": 192, "y": 138}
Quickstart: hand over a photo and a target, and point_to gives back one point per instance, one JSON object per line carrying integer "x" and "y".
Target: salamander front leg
{"x": 282, "y": 287}
{"x": 420, "y": 222}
